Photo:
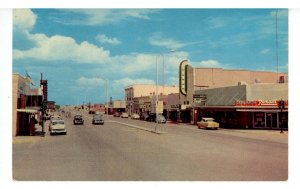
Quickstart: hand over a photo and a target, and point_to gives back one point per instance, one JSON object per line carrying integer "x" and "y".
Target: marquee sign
{"x": 183, "y": 77}
{"x": 259, "y": 103}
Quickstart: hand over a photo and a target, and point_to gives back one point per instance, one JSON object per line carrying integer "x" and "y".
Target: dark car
{"x": 78, "y": 120}
{"x": 98, "y": 119}
{"x": 151, "y": 117}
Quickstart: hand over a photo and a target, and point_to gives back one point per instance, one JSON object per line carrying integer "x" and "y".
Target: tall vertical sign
{"x": 183, "y": 77}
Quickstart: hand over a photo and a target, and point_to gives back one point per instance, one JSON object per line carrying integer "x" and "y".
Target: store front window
{"x": 259, "y": 120}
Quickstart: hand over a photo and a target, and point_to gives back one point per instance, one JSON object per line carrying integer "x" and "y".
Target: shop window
{"x": 259, "y": 120}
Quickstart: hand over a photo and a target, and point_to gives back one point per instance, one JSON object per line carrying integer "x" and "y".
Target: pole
{"x": 156, "y": 96}
{"x": 281, "y": 107}
{"x": 43, "y": 106}
{"x": 107, "y": 96}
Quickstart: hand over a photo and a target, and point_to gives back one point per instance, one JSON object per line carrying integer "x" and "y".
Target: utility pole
{"x": 43, "y": 105}
{"x": 281, "y": 106}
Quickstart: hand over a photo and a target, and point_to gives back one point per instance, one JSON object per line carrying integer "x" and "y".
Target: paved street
{"x": 124, "y": 149}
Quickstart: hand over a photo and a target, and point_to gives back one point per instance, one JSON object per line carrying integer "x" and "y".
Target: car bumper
{"x": 53, "y": 131}
{"x": 98, "y": 122}
{"x": 78, "y": 122}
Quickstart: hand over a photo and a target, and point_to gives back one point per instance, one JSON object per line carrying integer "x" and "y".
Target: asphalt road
{"x": 115, "y": 152}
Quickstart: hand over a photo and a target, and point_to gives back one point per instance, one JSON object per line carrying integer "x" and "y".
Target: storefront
{"x": 267, "y": 118}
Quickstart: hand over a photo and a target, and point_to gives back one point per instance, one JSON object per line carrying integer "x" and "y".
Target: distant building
{"x": 139, "y": 91}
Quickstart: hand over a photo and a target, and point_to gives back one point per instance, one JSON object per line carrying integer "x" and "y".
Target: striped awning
{"x": 27, "y": 110}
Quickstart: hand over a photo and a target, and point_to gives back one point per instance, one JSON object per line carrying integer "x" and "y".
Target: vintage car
{"x": 135, "y": 116}
{"x": 98, "y": 119}
{"x": 160, "y": 119}
{"x": 57, "y": 126}
{"x": 124, "y": 115}
{"x": 78, "y": 120}
{"x": 207, "y": 123}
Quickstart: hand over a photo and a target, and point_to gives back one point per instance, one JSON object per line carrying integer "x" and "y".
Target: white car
{"x": 135, "y": 116}
{"x": 208, "y": 123}
{"x": 124, "y": 115}
{"x": 57, "y": 126}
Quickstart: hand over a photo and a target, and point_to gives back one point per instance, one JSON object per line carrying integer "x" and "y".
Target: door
{"x": 271, "y": 120}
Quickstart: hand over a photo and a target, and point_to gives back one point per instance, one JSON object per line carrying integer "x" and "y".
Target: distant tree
{"x": 57, "y": 107}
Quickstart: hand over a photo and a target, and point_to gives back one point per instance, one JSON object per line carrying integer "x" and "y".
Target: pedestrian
{"x": 31, "y": 125}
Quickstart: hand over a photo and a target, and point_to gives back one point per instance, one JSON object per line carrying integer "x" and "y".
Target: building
{"x": 117, "y": 106}
{"x": 244, "y": 106}
{"x": 207, "y": 91}
{"x": 26, "y": 104}
{"x": 136, "y": 95}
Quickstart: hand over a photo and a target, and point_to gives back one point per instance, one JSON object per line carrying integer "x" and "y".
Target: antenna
{"x": 276, "y": 19}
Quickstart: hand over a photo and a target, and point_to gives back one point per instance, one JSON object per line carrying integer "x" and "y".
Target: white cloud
{"x": 103, "y": 16}
{"x": 89, "y": 82}
{"x": 265, "y": 51}
{"x": 102, "y": 38}
{"x": 23, "y": 19}
{"x": 128, "y": 81}
{"x": 217, "y": 22}
{"x": 209, "y": 64}
{"x": 62, "y": 48}
{"x": 157, "y": 39}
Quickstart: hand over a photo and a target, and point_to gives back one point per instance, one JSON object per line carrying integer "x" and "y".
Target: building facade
{"x": 235, "y": 98}
{"x": 244, "y": 106}
{"x": 140, "y": 95}
{"x": 26, "y": 104}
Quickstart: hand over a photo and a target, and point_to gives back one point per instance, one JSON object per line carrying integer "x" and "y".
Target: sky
{"x": 79, "y": 51}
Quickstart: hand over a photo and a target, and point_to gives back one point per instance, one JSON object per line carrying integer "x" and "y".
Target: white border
{"x": 6, "y": 78}
{"x": 149, "y": 4}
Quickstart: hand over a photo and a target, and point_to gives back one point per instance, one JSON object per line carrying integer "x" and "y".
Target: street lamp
{"x": 156, "y": 104}
{"x": 106, "y": 107}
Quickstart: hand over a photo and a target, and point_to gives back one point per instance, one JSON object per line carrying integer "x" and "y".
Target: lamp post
{"x": 163, "y": 76}
{"x": 106, "y": 107}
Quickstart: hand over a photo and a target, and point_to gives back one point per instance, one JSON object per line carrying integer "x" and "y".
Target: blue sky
{"x": 76, "y": 48}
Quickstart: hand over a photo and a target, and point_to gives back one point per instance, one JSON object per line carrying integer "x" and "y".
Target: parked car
{"x": 117, "y": 114}
{"x": 151, "y": 117}
{"x": 135, "y": 116}
{"x": 160, "y": 119}
{"x": 208, "y": 123}
{"x": 144, "y": 116}
{"x": 124, "y": 115}
{"x": 98, "y": 119}
{"x": 78, "y": 120}
{"x": 57, "y": 126}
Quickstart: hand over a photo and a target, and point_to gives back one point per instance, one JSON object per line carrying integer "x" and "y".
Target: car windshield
{"x": 78, "y": 117}
{"x": 97, "y": 116}
{"x": 58, "y": 122}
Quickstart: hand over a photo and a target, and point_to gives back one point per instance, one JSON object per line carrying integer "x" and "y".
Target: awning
{"x": 260, "y": 110}
{"x": 27, "y": 110}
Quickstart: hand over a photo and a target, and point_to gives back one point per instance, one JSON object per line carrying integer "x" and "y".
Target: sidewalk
{"x": 30, "y": 139}
{"x": 260, "y": 134}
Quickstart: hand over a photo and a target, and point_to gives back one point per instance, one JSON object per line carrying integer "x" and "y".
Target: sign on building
{"x": 183, "y": 77}
{"x": 199, "y": 98}
{"x": 157, "y": 108}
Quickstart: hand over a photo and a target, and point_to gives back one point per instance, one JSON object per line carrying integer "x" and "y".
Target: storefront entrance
{"x": 271, "y": 121}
